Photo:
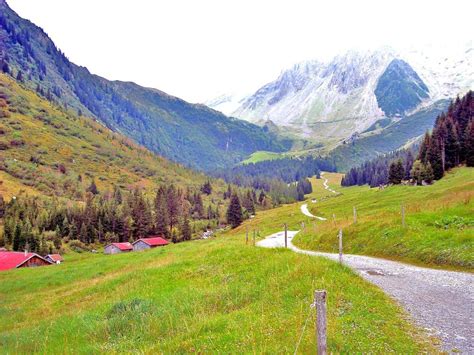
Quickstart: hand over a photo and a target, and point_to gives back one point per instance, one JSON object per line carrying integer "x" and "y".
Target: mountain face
{"x": 400, "y": 89}
{"x": 194, "y": 135}
{"x": 350, "y": 93}
{"x": 46, "y": 150}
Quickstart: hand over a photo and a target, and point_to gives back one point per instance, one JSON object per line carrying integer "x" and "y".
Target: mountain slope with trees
{"x": 190, "y": 134}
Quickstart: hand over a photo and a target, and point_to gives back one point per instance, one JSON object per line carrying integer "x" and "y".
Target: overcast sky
{"x": 199, "y": 49}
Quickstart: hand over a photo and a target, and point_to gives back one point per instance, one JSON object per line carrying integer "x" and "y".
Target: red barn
{"x": 151, "y": 242}
{"x": 15, "y": 259}
{"x": 116, "y": 248}
{"x": 54, "y": 258}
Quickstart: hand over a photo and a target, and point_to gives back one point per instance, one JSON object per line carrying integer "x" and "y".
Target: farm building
{"x": 116, "y": 248}
{"x": 148, "y": 243}
{"x": 54, "y": 258}
{"x": 15, "y": 259}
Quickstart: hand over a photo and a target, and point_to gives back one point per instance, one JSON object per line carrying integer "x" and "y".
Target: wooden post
{"x": 320, "y": 301}
{"x": 286, "y": 235}
{"x": 403, "y": 216}
{"x": 254, "y": 237}
{"x": 246, "y": 236}
{"x": 355, "y": 214}
{"x": 340, "y": 246}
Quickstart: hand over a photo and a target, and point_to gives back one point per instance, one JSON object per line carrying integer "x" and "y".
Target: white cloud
{"x": 199, "y": 49}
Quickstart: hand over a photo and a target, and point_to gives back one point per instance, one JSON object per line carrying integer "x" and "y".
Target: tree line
{"x": 43, "y": 224}
{"x": 450, "y": 144}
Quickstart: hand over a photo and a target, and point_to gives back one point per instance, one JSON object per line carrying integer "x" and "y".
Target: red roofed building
{"x": 116, "y": 248}
{"x": 15, "y": 259}
{"x": 148, "y": 243}
{"x": 54, "y": 258}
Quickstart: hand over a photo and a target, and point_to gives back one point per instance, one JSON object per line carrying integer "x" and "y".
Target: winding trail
{"x": 440, "y": 301}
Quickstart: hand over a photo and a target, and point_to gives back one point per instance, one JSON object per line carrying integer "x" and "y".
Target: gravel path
{"x": 441, "y": 302}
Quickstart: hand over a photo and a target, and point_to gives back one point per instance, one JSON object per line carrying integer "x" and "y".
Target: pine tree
{"x": 469, "y": 143}
{"x": 186, "y": 229}
{"x": 434, "y": 157}
{"x": 161, "y": 213}
{"x": 424, "y": 148}
{"x": 207, "y": 188}
{"x": 93, "y": 188}
{"x": 234, "y": 212}
{"x": 428, "y": 174}
{"x": 396, "y": 172}
{"x": 452, "y": 145}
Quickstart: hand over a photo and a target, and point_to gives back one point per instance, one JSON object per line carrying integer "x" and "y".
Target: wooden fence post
{"x": 286, "y": 235}
{"x": 320, "y": 301}
{"x": 254, "y": 237}
{"x": 340, "y": 246}
{"x": 355, "y": 214}
{"x": 246, "y": 236}
{"x": 403, "y": 216}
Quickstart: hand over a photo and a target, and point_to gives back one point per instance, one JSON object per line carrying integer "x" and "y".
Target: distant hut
{"x": 148, "y": 243}
{"x": 116, "y": 248}
{"x": 54, "y": 258}
{"x": 15, "y": 259}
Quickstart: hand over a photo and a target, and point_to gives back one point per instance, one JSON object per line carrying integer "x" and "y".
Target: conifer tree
{"x": 396, "y": 172}
{"x": 186, "y": 229}
{"x": 469, "y": 143}
{"x": 234, "y": 212}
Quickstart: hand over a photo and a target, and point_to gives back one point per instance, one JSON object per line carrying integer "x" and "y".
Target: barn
{"x": 15, "y": 259}
{"x": 148, "y": 243}
{"x": 54, "y": 258}
{"x": 116, "y": 248}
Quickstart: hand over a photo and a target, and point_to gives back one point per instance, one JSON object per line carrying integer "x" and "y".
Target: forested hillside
{"x": 450, "y": 144}
{"x": 190, "y": 134}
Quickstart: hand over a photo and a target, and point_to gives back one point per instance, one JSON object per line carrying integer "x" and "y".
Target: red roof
{"x": 13, "y": 259}
{"x": 55, "y": 257}
{"x": 123, "y": 246}
{"x": 154, "y": 241}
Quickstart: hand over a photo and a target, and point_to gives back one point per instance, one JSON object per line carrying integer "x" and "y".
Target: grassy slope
{"x": 205, "y": 296}
{"x": 379, "y": 232}
{"x": 81, "y": 145}
{"x": 263, "y": 156}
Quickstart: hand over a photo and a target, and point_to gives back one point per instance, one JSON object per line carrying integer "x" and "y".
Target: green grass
{"x": 216, "y": 295}
{"x": 262, "y": 156}
{"x": 439, "y": 221}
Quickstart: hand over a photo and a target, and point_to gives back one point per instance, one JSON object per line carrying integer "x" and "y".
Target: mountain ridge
{"x": 191, "y": 134}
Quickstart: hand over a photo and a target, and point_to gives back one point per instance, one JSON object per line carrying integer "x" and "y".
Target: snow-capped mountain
{"x": 346, "y": 95}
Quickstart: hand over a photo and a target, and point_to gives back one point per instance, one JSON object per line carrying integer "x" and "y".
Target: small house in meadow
{"x": 54, "y": 258}
{"x": 148, "y": 243}
{"x": 116, "y": 248}
{"x": 15, "y": 259}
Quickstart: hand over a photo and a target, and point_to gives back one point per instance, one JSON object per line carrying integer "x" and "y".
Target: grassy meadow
{"x": 439, "y": 221}
{"x": 201, "y": 296}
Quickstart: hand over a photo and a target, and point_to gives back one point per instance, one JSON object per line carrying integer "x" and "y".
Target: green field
{"x": 262, "y": 156}
{"x": 439, "y": 227}
{"x": 217, "y": 295}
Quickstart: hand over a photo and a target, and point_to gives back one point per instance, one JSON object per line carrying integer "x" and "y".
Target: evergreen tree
{"x": 207, "y": 188}
{"x": 186, "y": 229}
{"x": 93, "y": 188}
{"x": 469, "y": 143}
{"x": 396, "y": 172}
{"x": 234, "y": 212}
{"x": 161, "y": 213}
{"x": 428, "y": 174}
{"x": 434, "y": 157}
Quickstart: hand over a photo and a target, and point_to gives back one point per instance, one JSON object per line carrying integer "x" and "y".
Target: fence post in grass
{"x": 320, "y": 302}
{"x": 403, "y": 216}
{"x": 286, "y": 235}
{"x": 355, "y": 214}
{"x": 340, "y": 246}
{"x": 254, "y": 237}
{"x": 334, "y": 219}
{"x": 246, "y": 236}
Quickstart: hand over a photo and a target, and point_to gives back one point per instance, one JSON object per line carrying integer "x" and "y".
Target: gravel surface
{"x": 441, "y": 302}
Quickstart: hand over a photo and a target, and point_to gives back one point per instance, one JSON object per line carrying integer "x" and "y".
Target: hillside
{"x": 47, "y": 151}
{"x": 439, "y": 222}
{"x": 190, "y": 134}
{"x": 216, "y": 295}
{"x": 392, "y": 137}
